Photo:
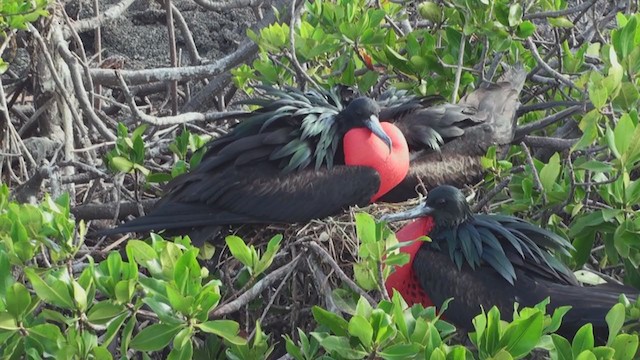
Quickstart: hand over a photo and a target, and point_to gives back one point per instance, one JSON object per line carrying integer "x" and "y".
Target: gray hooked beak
{"x": 416, "y": 212}
{"x": 373, "y": 124}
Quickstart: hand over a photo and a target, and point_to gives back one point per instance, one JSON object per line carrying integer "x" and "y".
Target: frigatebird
{"x": 492, "y": 260}
{"x": 300, "y": 156}
{"x": 447, "y": 141}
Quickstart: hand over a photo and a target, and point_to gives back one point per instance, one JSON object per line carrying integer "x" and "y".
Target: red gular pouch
{"x": 363, "y": 148}
{"x": 404, "y": 279}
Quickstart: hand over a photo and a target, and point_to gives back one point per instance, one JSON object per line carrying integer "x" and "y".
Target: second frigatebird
{"x": 300, "y": 156}
{"x": 448, "y": 141}
{"x": 492, "y": 260}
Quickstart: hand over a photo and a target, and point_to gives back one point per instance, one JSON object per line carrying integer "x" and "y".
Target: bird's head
{"x": 364, "y": 112}
{"x": 446, "y": 204}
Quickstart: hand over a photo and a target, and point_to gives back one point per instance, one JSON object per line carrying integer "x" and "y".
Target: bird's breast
{"x": 363, "y": 148}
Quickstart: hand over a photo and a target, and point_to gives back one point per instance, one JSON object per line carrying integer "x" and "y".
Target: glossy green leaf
{"x": 155, "y": 337}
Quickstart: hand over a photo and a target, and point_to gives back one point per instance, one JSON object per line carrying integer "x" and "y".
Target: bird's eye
{"x": 441, "y": 201}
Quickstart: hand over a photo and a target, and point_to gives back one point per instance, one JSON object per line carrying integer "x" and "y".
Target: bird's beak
{"x": 373, "y": 124}
{"x": 416, "y": 212}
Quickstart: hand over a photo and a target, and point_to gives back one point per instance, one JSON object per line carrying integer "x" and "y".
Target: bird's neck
{"x": 403, "y": 278}
{"x": 363, "y": 148}
{"x": 446, "y": 223}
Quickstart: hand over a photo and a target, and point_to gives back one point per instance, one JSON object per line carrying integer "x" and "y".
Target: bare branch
{"x": 255, "y": 290}
{"x": 545, "y": 14}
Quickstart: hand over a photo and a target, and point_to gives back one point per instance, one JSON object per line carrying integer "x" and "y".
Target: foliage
{"x": 82, "y": 312}
{"x": 16, "y": 15}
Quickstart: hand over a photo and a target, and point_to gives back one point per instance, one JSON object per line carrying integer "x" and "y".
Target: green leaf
{"x": 18, "y": 300}
{"x": 103, "y": 312}
{"x": 57, "y": 295}
{"x": 563, "y": 348}
{"x": 360, "y": 328}
{"x": 615, "y": 320}
{"x": 522, "y": 335}
{"x": 155, "y": 337}
{"x": 226, "y": 329}
{"x": 515, "y": 14}
{"x": 7, "y": 321}
{"x": 526, "y": 29}
{"x": 335, "y": 323}
{"x": 583, "y": 339}
{"x": 121, "y": 164}
{"x": 561, "y": 22}
{"x": 550, "y": 172}
{"x": 340, "y": 346}
{"x": 402, "y": 351}
{"x": 626, "y": 346}
{"x": 240, "y": 250}
{"x": 623, "y": 133}
{"x": 365, "y": 227}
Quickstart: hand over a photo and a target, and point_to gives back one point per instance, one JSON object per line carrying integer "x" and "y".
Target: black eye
{"x": 441, "y": 201}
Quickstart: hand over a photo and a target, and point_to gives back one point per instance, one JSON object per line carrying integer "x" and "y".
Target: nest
{"x": 314, "y": 260}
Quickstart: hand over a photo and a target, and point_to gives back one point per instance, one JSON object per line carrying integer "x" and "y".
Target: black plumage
{"x": 281, "y": 164}
{"x": 463, "y": 133}
{"x": 497, "y": 260}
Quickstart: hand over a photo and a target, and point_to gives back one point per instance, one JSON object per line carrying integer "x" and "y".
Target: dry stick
{"x": 273, "y": 298}
{"x": 324, "y": 255}
{"x": 456, "y": 84}
{"x": 228, "y": 4}
{"x": 108, "y": 210}
{"x": 545, "y": 14}
{"x": 556, "y": 144}
{"x": 92, "y": 23}
{"x": 173, "y": 54}
{"x": 187, "y": 35}
{"x": 491, "y": 194}
{"x": 320, "y": 278}
{"x": 536, "y": 176}
{"x": 60, "y": 87}
{"x": 97, "y": 43}
{"x": 83, "y": 60}
{"x": 292, "y": 52}
{"x": 169, "y": 120}
{"x": 81, "y": 95}
{"x": 135, "y": 77}
{"x": 542, "y": 123}
{"x": 545, "y": 105}
{"x": 549, "y": 69}
{"x": 255, "y": 290}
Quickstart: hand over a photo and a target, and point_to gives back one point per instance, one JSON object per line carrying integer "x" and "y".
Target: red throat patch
{"x": 362, "y": 147}
{"x": 403, "y": 279}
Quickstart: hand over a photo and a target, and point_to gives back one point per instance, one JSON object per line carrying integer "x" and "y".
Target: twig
{"x": 523, "y": 130}
{"x": 187, "y": 35}
{"x": 92, "y": 23}
{"x": 456, "y": 84}
{"x": 255, "y": 290}
{"x": 273, "y": 297}
{"x": 536, "y": 176}
{"x": 324, "y": 255}
{"x": 169, "y": 120}
{"x": 81, "y": 94}
{"x": 292, "y": 43}
{"x": 173, "y": 55}
{"x": 491, "y": 194}
{"x": 550, "y": 143}
{"x": 135, "y": 77}
{"x": 107, "y": 210}
{"x": 322, "y": 286}
{"x": 545, "y": 105}
{"x": 228, "y": 4}
{"x": 534, "y": 51}
{"x": 545, "y": 14}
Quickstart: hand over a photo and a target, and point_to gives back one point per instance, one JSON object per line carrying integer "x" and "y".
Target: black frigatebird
{"x": 447, "y": 141}
{"x": 492, "y": 260}
{"x": 300, "y": 156}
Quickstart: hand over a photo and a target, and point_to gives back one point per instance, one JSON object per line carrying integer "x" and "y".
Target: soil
{"x": 141, "y": 36}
